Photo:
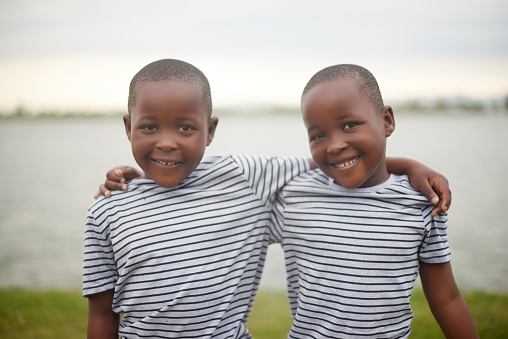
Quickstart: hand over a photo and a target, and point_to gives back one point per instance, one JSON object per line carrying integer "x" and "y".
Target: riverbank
{"x": 63, "y": 314}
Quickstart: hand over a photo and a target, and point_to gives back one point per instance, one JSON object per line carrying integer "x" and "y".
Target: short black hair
{"x": 171, "y": 70}
{"x": 366, "y": 82}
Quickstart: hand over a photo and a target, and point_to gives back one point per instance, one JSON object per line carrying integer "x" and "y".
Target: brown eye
{"x": 186, "y": 128}
{"x": 350, "y": 125}
{"x": 317, "y": 136}
{"x": 149, "y": 127}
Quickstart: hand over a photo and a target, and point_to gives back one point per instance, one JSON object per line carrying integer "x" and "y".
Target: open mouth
{"x": 347, "y": 163}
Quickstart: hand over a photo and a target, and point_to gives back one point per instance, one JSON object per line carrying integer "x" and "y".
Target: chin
{"x": 349, "y": 183}
{"x": 166, "y": 182}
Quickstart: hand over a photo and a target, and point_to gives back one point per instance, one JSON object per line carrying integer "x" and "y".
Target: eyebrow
{"x": 147, "y": 118}
{"x": 344, "y": 116}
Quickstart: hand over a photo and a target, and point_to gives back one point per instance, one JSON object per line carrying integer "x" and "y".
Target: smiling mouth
{"x": 167, "y": 163}
{"x": 347, "y": 163}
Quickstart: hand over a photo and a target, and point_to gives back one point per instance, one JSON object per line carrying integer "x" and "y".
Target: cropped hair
{"x": 366, "y": 83}
{"x": 171, "y": 70}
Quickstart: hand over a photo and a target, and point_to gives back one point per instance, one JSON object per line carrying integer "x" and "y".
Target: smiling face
{"x": 169, "y": 128}
{"x": 347, "y": 135}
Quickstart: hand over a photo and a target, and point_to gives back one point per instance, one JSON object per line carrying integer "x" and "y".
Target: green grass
{"x": 63, "y": 314}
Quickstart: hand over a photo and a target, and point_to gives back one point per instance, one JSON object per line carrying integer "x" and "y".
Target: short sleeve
{"x": 267, "y": 175}
{"x": 434, "y": 248}
{"x": 277, "y": 220}
{"x": 99, "y": 268}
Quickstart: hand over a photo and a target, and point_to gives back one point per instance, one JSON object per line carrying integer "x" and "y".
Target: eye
{"x": 350, "y": 125}
{"x": 186, "y": 128}
{"x": 317, "y": 136}
{"x": 149, "y": 127}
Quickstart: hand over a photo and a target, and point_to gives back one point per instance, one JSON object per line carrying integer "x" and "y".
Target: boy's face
{"x": 347, "y": 135}
{"x": 169, "y": 130}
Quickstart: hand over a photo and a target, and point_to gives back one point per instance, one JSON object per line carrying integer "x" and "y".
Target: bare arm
{"x": 445, "y": 301}
{"x": 102, "y": 321}
{"x": 432, "y": 184}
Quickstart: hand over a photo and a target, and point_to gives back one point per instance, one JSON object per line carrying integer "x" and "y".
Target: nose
{"x": 167, "y": 141}
{"x": 337, "y": 144}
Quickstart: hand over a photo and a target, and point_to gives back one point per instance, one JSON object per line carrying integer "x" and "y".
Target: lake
{"x": 51, "y": 167}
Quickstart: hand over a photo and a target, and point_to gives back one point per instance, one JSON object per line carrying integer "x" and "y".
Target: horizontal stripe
{"x": 352, "y": 256}
{"x": 185, "y": 262}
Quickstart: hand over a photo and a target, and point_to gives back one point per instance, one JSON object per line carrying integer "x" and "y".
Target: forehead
{"x": 338, "y": 97}
{"x": 332, "y": 93}
{"x": 169, "y": 94}
{"x": 337, "y": 88}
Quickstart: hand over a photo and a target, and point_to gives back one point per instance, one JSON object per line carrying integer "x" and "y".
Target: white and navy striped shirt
{"x": 185, "y": 262}
{"x": 352, "y": 255}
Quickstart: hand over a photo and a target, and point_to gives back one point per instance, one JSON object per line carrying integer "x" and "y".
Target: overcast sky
{"x": 61, "y": 54}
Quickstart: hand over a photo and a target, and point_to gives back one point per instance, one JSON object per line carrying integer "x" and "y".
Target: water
{"x": 50, "y": 169}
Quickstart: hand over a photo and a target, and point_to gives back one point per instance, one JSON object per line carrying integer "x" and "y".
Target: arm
{"x": 432, "y": 184}
{"x": 102, "y": 321}
{"x": 116, "y": 177}
{"x": 115, "y": 180}
{"x": 445, "y": 301}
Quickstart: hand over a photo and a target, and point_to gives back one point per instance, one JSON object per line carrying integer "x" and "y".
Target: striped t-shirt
{"x": 185, "y": 262}
{"x": 352, "y": 255}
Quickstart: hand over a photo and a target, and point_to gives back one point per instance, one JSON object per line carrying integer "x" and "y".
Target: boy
{"x": 184, "y": 259}
{"x": 180, "y": 254}
{"x": 355, "y": 236}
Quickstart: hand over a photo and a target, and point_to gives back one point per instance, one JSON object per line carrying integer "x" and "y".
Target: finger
{"x": 115, "y": 175}
{"x": 104, "y": 191}
{"x": 446, "y": 201}
{"x": 130, "y": 173}
{"x": 115, "y": 185}
{"x": 431, "y": 195}
{"x": 119, "y": 176}
{"x": 437, "y": 211}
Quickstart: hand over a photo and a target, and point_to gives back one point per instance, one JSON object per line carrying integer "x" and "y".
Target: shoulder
{"x": 399, "y": 191}
{"x": 314, "y": 178}
{"x": 137, "y": 189}
{"x": 260, "y": 161}
{"x": 400, "y": 185}
{"x": 313, "y": 182}
{"x": 257, "y": 165}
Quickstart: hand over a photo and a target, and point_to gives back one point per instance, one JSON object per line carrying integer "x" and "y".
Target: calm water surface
{"x": 50, "y": 169}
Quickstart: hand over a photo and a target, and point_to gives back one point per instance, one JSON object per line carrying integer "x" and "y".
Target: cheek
{"x": 318, "y": 146}
{"x": 318, "y": 153}
{"x": 141, "y": 142}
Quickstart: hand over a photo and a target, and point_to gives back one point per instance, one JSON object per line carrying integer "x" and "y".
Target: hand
{"x": 434, "y": 186}
{"x": 116, "y": 178}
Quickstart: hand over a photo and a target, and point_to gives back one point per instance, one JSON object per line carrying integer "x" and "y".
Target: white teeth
{"x": 348, "y": 163}
{"x": 165, "y": 163}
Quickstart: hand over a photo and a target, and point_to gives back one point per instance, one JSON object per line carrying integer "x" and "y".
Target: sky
{"x": 81, "y": 55}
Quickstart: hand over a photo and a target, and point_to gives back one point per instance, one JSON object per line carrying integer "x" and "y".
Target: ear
{"x": 388, "y": 120}
{"x": 127, "y": 124}
{"x": 212, "y": 125}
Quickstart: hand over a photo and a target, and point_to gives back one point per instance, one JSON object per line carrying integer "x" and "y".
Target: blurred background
{"x": 65, "y": 68}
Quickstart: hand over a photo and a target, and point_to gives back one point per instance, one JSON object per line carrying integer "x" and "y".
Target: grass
{"x": 63, "y": 314}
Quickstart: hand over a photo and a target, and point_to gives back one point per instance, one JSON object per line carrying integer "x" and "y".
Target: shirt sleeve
{"x": 267, "y": 175}
{"x": 434, "y": 248}
{"x": 99, "y": 268}
{"x": 276, "y": 230}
